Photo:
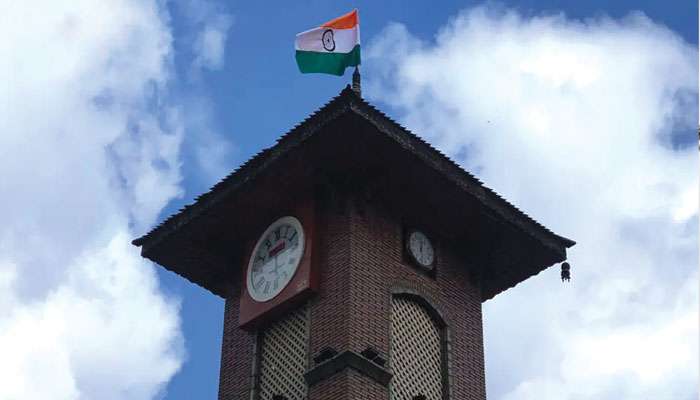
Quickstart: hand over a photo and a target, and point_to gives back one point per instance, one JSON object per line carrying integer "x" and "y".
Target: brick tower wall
{"x": 237, "y": 354}
{"x": 379, "y": 270}
{"x": 362, "y": 264}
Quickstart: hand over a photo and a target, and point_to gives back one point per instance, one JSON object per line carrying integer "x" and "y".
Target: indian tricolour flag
{"x": 330, "y": 48}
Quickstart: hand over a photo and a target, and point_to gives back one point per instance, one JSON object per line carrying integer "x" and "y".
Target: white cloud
{"x": 206, "y": 30}
{"x": 90, "y": 153}
{"x": 210, "y": 43}
{"x": 209, "y": 148}
{"x": 211, "y": 24}
{"x": 577, "y": 123}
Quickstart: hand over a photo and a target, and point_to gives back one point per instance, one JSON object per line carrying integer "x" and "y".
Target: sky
{"x": 115, "y": 115}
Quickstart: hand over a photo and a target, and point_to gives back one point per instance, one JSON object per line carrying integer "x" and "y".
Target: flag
{"x": 330, "y": 48}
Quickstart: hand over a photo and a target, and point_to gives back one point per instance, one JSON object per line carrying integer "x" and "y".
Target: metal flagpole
{"x": 356, "y": 86}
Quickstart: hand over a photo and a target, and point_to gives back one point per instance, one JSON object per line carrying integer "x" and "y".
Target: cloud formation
{"x": 588, "y": 126}
{"x": 90, "y": 153}
{"x": 211, "y": 24}
{"x": 210, "y": 42}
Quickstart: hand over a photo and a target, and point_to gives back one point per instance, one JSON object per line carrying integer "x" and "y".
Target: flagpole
{"x": 356, "y": 86}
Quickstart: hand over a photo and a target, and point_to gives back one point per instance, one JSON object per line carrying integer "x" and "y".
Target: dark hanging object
{"x": 279, "y": 397}
{"x": 419, "y": 397}
{"x": 565, "y": 272}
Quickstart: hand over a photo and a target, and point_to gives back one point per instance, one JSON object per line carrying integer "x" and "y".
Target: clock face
{"x": 275, "y": 259}
{"x": 421, "y": 249}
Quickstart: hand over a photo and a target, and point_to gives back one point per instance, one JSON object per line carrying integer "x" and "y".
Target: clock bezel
{"x": 292, "y": 220}
{"x": 305, "y": 283}
{"x": 430, "y": 268}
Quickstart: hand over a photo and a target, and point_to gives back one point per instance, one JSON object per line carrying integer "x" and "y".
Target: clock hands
{"x": 277, "y": 256}
{"x": 281, "y": 251}
{"x": 421, "y": 248}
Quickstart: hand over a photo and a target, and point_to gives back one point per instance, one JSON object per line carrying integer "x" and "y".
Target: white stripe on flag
{"x": 312, "y": 40}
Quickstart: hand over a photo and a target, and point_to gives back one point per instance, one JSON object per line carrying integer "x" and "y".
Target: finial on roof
{"x": 356, "y": 86}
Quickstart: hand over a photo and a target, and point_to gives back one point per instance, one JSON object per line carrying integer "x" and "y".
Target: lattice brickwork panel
{"x": 283, "y": 358}
{"x": 416, "y": 352}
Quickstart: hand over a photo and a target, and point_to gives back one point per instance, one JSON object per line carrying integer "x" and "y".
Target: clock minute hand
{"x": 276, "y": 265}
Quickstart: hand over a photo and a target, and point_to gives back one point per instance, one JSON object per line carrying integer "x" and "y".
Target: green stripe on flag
{"x": 327, "y": 63}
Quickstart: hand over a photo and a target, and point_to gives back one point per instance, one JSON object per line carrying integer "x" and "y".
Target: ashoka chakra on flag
{"x": 330, "y": 48}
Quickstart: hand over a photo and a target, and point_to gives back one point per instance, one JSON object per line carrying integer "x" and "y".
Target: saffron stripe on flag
{"x": 330, "y": 48}
{"x": 346, "y": 21}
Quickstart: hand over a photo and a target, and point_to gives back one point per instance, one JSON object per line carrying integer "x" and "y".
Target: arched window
{"x": 282, "y": 358}
{"x": 417, "y": 357}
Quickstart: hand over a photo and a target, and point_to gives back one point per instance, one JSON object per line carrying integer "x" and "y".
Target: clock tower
{"x": 353, "y": 258}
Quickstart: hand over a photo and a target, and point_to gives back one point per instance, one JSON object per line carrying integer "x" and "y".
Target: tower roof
{"x": 180, "y": 244}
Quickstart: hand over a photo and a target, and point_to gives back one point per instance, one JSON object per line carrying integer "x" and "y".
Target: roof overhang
{"x": 350, "y": 138}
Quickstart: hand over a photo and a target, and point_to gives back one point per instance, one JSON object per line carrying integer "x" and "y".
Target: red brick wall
{"x": 362, "y": 387}
{"x": 237, "y": 354}
{"x": 378, "y": 268}
{"x": 331, "y": 308}
{"x": 362, "y": 263}
{"x": 335, "y": 387}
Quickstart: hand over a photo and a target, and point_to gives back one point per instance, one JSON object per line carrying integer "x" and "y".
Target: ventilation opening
{"x": 416, "y": 357}
{"x": 283, "y": 358}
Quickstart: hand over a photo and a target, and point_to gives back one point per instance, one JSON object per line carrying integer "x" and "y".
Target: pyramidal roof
{"x": 348, "y": 101}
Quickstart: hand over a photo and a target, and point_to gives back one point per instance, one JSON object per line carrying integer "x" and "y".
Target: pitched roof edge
{"x": 348, "y": 99}
{"x": 203, "y": 202}
{"x": 480, "y": 191}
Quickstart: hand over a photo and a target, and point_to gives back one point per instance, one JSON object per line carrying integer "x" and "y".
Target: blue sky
{"x": 259, "y": 94}
{"x": 115, "y": 115}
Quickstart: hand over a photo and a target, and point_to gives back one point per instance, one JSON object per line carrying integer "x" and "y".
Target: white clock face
{"x": 421, "y": 249}
{"x": 275, "y": 259}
